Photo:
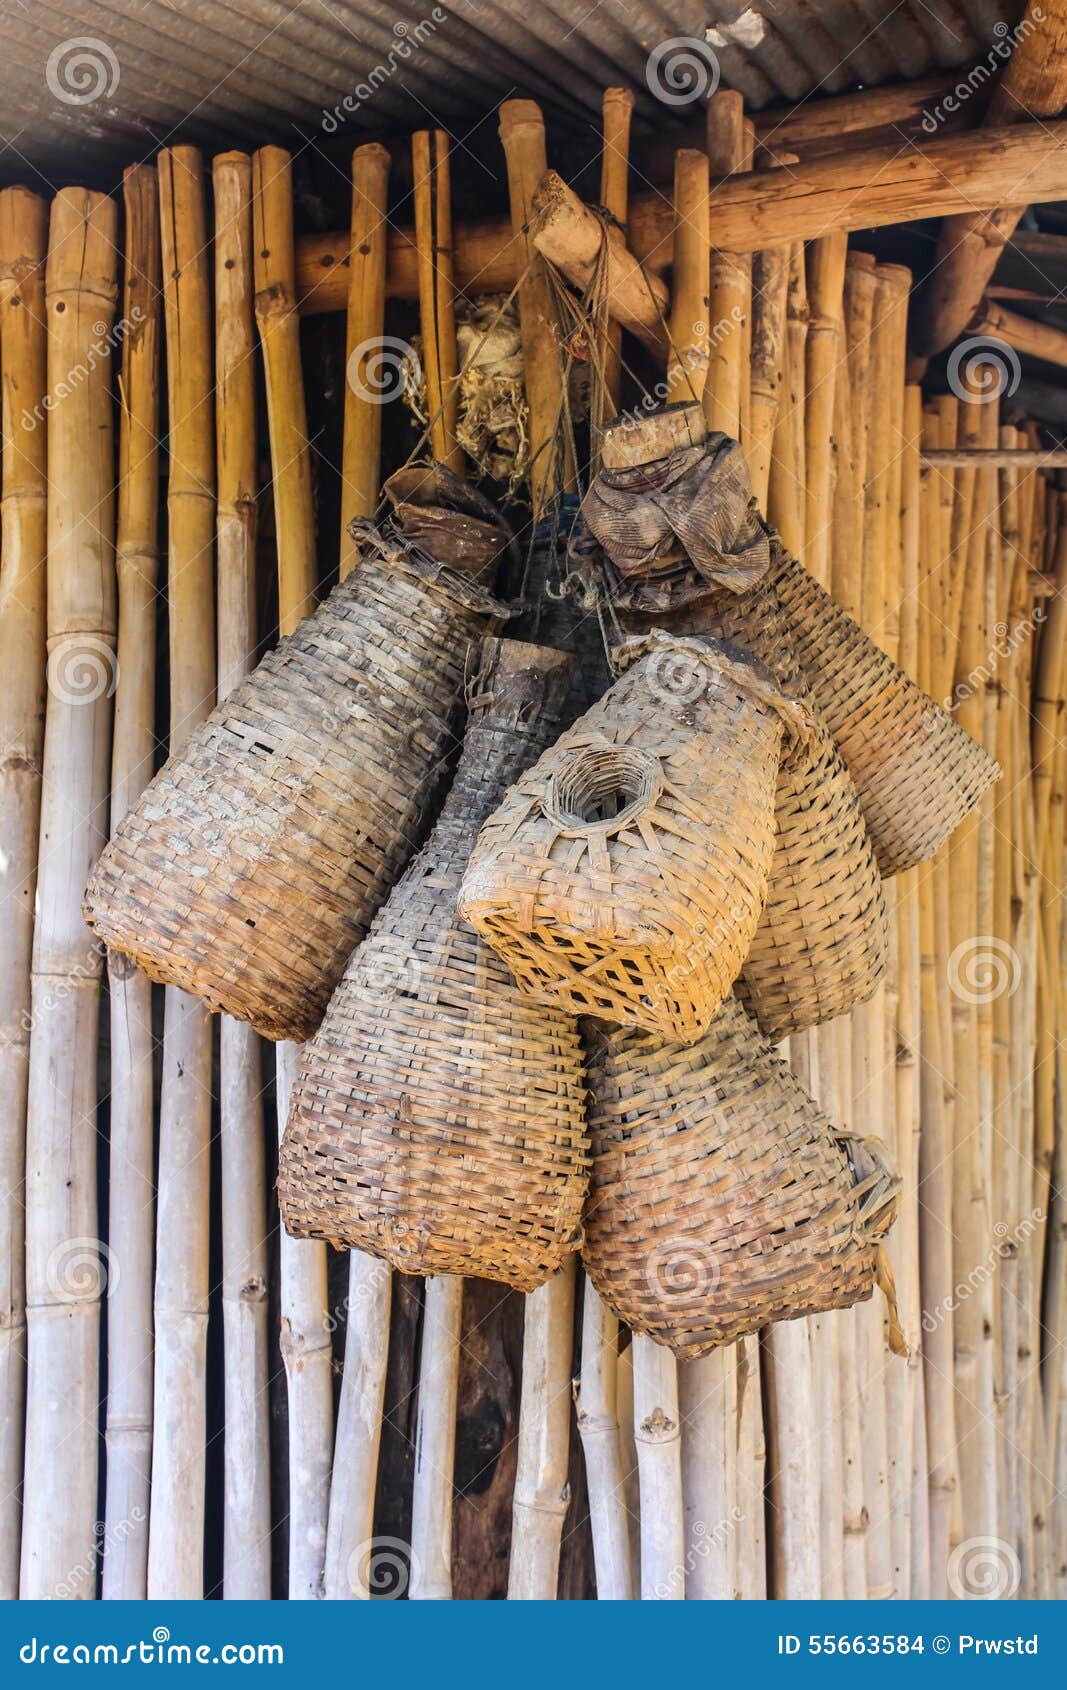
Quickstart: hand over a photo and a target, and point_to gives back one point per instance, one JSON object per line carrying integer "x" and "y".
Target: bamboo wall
{"x": 253, "y": 1395}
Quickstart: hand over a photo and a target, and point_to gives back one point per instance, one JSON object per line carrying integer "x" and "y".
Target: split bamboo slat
{"x": 246, "y": 1522}
{"x": 64, "y": 1256}
{"x": 176, "y": 1532}
{"x": 306, "y": 1346}
{"x": 131, "y": 1205}
{"x": 23, "y": 515}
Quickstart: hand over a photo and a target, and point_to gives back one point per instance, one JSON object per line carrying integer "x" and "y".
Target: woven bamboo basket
{"x": 721, "y": 1196}
{"x": 917, "y": 772}
{"x": 250, "y": 867}
{"x": 439, "y": 1117}
{"x": 823, "y": 939}
{"x": 625, "y": 873}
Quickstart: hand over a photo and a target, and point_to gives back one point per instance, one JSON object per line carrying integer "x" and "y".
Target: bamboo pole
{"x": 305, "y": 1329}
{"x": 826, "y": 286}
{"x": 770, "y": 284}
{"x": 130, "y": 1171}
{"x": 617, "y": 109}
{"x": 542, "y": 1493}
{"x": 687, "y": 362}
{"x": 597, "y": 1411}
{"x": 522, "y": 135}
{"x": 435, "y": 1440}
{"x": 176, "y": 1534}
{"x": 731, "y": 275}
{"x": 23, "y": 513}
{"x": 659, "y": 1465}
{"x": 361, "y": 446}
{"x": 63, "y": 1251}
{"x": 359, "y": 1428}
{"x": 246, "y": 1518}
{"x": 433, "y": 239}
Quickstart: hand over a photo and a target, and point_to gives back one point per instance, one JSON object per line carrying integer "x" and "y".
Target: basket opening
{"x": 602, "y": 787}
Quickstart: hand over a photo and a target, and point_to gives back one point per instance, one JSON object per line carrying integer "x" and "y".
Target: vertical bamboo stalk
{"x": 131, "y": 1194}
{"x": 432, "y": 191}
{"x": 542, "y": 1493}
{"x": 176, "y": 1536}
{"x": 786, "y": 502}
{"x": 826, "y": 285}
{"x": 522, "y": 135}
{"x": 350, "y": 1531}
{"x": 617, "y": 108}
{"x": 435, "y": 1440}
{"x": 361, "y": 446}
{"x": 707, "y": 1400}
{"x": 246, "y": 1517}
{"x": 687, "y": 363}
{"x": 23, "y": 517}
{"x": 659, "y": 1465}
{"x": 770, "y": 285}
{"x": 63, "y": 1266}
{"x": 305, "y": 1337}
{"x": 731, "y": 278}
{"x": 597, "y": 1409}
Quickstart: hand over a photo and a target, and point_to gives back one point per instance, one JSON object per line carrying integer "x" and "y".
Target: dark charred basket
{"x": 438, "y": 1119}
{"x": 721, "y": 1197}
{"x": 250, "y": 867}
{"x": 625, "y": 873}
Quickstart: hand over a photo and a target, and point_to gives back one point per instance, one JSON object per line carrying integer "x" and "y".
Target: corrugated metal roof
{"x": 101, "y": 81}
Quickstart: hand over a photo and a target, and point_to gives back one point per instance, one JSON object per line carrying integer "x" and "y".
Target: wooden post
{"x": 361, "y": 447}
{"x": 659, "y": 1465}
{"x": 305, "y": 1338}
{"x": 246, "y": 1523}
{"x": 687, "y": 363}
{"x": 23, "y": 478}
{"x": 542, "y": 1493}
{"x": 597, "y": 1409}
{"x": 433, "y": 241}
{"x": 826, "y": 285}
{"x": 131, "y": 1207}
{"x": 64, "y": 1257}
{"x": 731, "y": 276}
{"x": 617, "y": 109}
{"x": 176, "y": 1537}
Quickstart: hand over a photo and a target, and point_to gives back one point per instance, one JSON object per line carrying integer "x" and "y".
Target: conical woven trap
{"x": 250, "y": 866}
{"x": 439, "y": 1116}
{"x": 721, "y": 1196}
{"x": 625, "y": 873}
{"x": 823, "y": 939}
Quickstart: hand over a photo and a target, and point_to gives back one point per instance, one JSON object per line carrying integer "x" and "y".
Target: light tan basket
{"x": 249, "y": 868}
{"x": 625, "y": 873}
{"x": 439, "y": 1117}
{"x": 721, "y": 1196}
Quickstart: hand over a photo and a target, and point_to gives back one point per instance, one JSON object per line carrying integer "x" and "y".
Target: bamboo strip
{"x": 361, "y": 446}
{"x": 246, "y": 1523}
{"x": 130, "y": 1173}
{"x": 306, "y": 1348}
{"x": 23, "y": 515}
{"x": 432, "y": 192}
{"x": 176, "y": 1534}
{"x": 63, "y": 1250}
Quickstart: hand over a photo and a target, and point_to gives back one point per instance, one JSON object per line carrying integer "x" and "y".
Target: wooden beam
{"x": 978, "y": 457}
{"x": 868, "y": 188}
{"x": 1033, "y": 84}
{"x": 1037, "y": 340}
